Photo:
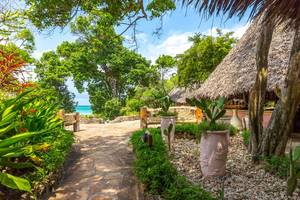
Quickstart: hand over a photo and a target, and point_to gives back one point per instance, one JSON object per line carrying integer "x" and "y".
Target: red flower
{"x": 23, "y": 130}
{"x": 32, "y": 110}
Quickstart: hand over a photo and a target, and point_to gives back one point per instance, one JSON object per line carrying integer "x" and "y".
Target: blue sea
{"x": 84, "y": 109}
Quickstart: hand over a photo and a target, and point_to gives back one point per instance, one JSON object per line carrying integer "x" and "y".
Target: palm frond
{"x": 282, "y": 11}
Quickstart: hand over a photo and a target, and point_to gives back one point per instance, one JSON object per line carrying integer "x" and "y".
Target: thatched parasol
{"x": 236, "y": 74}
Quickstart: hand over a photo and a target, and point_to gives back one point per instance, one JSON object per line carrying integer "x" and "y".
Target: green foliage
{"x": 112, "y": 108}
{"x": 52, "y": 76}
{"x": 213, "y": 110}
{"x": 132, "y": 106}
{"x": 246, "y": 137}
{"x": 277, "y": 165}
{"x": 166, "y": 102}
{"x": 29, "y": 127}
{"x": 233, "y": 130}
{"x": 294, "y": 170}
{"x": 155, "y": 171}
{"x": 196, "y": 63}
{"x": 206, "y": 126}
{"x": 151, "y": 96}
{"x": 190, "y": 128}
{"x": 44, "y": 13}
{"x": 101, "y": 64}
{"x": 163, "y": 64}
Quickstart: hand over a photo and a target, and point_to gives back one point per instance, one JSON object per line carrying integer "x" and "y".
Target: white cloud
{"x": 177, "y": 43}
{"x": 238, "y": 30}
{"x": 174, "y": 44}
{"x": 38, "y": 54}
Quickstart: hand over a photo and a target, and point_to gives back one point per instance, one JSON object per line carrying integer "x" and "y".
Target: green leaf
{"x": 8, "y": 128}
{"x": 14, "y": 182}
{"x": 221, "y": 114}
{"x": 8, "y": 119}
{"x": 7, "y": 111}
{"x": 19, "y": 137}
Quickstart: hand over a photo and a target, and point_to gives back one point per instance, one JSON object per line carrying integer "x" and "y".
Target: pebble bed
{"x": 243, "y": 180}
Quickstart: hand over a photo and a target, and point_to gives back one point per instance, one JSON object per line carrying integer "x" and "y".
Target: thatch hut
{"x": 235, "y": 75}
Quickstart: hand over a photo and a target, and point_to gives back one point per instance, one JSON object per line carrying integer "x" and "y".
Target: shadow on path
{"x": 99, "y": 168}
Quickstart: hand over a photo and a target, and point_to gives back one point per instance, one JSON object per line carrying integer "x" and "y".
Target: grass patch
{"x": 155, "y": 171}
{"x": 246, "y": 137}
{"x": 278, "y": 165}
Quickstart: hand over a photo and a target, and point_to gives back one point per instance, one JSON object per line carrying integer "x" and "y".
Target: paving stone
{"x": 103, "y": 168}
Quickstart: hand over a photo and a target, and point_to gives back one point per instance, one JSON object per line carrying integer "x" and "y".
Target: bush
{"x": 246, "y": 137}
{"x": 112, "y": 108}
{"x": 54, "y": 158}
{"x": 33, "y": 141}
{"x": 155, "y": 171}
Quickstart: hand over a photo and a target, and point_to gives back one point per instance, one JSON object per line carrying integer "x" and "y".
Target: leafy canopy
{"x": 196, "y": 63}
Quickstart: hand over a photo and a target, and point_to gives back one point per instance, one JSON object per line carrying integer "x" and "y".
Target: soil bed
{"x": 243, "y": 180}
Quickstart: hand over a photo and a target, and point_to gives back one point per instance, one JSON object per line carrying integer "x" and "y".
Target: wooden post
{"x": 61, "y": 114}
{"x": 76, "y": 126}
{"x": 198, "y": 115}
{"x": 143, "y": 117}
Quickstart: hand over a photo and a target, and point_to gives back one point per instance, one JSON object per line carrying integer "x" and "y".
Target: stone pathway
{"x": 101, "y": 165}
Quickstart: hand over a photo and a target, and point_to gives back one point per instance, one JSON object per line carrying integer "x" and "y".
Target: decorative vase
{"x": 235, "y": 120}
{"x": 165, "y": 122}
{"x": 213, "y": 153}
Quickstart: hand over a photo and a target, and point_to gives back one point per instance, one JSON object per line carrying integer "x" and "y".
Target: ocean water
{"x": 84, "y": 109}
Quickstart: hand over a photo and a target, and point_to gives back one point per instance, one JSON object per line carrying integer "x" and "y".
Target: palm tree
{"x": 273, "y": 140}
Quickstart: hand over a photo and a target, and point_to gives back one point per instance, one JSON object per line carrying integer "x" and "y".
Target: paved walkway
{"x": 101, "y": 166}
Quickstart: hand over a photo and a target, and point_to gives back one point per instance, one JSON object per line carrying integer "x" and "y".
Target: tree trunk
{"x": 281, "y": 124}
{"x": 257, "y": 93}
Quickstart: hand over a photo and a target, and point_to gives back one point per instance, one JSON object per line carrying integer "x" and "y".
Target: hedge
{"x": 154, "y": 169}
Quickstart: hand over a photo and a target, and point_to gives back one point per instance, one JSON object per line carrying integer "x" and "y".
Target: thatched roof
{"x": 236, "y": 73}
{"x": 178, "y": 94}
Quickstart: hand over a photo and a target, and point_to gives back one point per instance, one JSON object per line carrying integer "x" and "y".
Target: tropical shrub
{"x": 213, "y": 110}
{"x": 166, "y": 102}
{"x": 155, "y": 171}
{"x": 112, "y": 108}
{"x": 29, "y": 129}
{"x": 132, "y": 107}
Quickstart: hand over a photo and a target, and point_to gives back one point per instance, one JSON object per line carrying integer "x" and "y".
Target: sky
{"x": 177, "y": 27}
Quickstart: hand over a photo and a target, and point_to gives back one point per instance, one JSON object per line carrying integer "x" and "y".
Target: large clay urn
{"x": 165, "y": 122}
{"x": 213, "y": 152}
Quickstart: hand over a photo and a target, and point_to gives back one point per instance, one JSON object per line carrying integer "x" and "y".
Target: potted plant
{"x": 167, "y": 120}
{"x": 215, "y": 137}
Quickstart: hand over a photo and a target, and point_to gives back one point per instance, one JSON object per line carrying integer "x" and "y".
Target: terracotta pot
{"x": 235, "y": 120}
{"x": 165, "y": 122}
{"x": 213, "y": 152}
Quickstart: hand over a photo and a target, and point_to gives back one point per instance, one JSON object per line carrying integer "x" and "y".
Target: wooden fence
{"x": 70, "y": 119}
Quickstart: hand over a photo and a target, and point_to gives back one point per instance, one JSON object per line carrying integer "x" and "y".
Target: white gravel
{"x": 243, "y": 180}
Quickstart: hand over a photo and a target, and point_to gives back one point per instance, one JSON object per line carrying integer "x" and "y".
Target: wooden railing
{"x": 185, "y": 114}
{"x": 70, "y": 119}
